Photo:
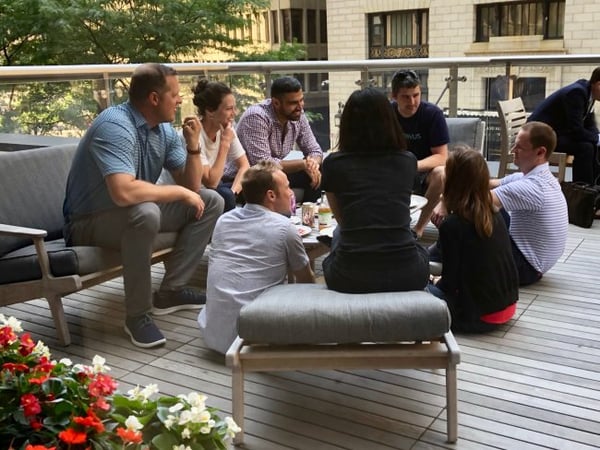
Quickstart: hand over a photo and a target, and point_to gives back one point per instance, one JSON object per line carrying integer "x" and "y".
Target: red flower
{"x": 27, "y": 344}
{"x": 39, "y": 447}
{"x": 44, "y": 365}
{"x": 7, "y": 336}
{"x": 35, "y": 424}
{"x": 129, "y": 436}
{"x": 31, "y": 405}
{"x": 101, "y": 404}
{"x": 90, "y": 421}
{"x": 15, "y": 367}
{"x": 102, "y": 385}
{"x": 70, "y": 436}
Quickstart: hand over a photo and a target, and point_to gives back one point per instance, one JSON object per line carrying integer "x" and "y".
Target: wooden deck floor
{"x": 533, "y": 384}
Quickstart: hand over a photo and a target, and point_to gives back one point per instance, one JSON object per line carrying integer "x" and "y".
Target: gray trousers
{"x": 133, "y": 229}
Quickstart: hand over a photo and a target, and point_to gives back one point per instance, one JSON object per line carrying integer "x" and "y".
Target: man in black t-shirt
{"x": 426, "y": 131}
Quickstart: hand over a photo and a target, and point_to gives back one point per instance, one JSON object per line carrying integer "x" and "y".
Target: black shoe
{"x": 166, "y": 302}
{"x": 143, "y": 332}
{"x": 435, "y": 253}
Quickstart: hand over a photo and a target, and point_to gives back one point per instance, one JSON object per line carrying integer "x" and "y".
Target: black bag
{"x": 582, "y": 201}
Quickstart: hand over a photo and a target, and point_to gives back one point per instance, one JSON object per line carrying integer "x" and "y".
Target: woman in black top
{"x": 479, "y": 278}
{"x": 368, "y": 184}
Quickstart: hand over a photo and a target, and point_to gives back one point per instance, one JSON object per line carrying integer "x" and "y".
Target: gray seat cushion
{"x": 312, "y": 314}
{"x": 466, "y": 130}
{"x": 23, "y": 265}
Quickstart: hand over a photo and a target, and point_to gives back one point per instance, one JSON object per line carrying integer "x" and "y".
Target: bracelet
{"x": 193, "y": 152}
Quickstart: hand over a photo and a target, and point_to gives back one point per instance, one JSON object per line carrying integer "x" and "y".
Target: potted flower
{"x": 45, "y": 404}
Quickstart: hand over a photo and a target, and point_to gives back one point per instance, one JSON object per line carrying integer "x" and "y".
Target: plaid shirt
{"x": 261, "y": 135}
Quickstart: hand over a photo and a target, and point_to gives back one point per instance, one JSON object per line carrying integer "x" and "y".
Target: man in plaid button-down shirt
{"x": 269, "y": 130}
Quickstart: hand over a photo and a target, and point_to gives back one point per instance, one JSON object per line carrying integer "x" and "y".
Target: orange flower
{"x": 90, "y": 421}
{"x": 70, "y": 436}
{"x": 129, "y": 436}
{"x": 39, "y": 447}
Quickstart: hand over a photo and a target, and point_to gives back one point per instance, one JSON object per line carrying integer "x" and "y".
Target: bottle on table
{"x": 325, "y": 214}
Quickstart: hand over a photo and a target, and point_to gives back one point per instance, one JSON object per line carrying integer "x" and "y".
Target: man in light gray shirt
{"x": 253, "y": 248}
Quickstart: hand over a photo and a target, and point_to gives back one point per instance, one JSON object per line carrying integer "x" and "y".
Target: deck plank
{"x": 532, "y": 384}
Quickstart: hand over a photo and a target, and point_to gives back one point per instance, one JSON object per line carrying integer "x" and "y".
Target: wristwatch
{"x": 193, "y": 152}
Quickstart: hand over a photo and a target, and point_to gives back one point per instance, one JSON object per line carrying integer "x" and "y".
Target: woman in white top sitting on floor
{"x": 219, "y": 142}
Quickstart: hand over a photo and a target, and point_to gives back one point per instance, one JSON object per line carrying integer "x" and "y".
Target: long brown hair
{"x": 467, "y": 189}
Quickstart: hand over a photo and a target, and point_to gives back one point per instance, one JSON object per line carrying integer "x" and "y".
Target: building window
{"x": 264, "y": 28}
{"x": 292, "y": 25}
{"x": 399, "y": 34}
{"x": 275, "y": 22}
{"x": 534, "y": 17}
{"x": 323, "y": 26}
{"x": 531, "y": 89}
{"x": 311, "y": 26}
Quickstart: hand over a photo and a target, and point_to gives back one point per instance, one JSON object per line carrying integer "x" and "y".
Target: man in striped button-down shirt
{"x": 270, "y": 129}
{"x": 535, "y": 202}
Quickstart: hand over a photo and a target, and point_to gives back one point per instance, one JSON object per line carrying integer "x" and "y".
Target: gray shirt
{"x": 252, "y": 249}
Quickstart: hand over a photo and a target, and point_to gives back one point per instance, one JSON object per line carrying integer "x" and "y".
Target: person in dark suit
{"x": 570, "y": 112}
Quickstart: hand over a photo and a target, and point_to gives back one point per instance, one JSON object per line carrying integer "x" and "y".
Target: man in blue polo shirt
{"x": 112, "y": 199}
{"x": 426, "y": 131}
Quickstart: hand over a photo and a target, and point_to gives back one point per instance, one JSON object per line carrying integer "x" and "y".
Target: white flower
{"x": 66, "y": 361}
{"x": 199, "y": 415}
{"x": 182, "y": 447}
{"x": 176, "y": 407}
{"x": 185, "y": 417}
{"x": 186, "y": 433}
{"x": 232, "y": 427}
{"x": 99, "y": 364}
{"x": 170, "y": 421}
{"x": 135, "y": 393}
{"x": 12, "y": 323}
{"x": 149, "y": 390}
{"x": 196, "y": 400}
{"x": 133, "y": 424}
{"x": 205, "y": 430}
{"x": 41, "y": 350}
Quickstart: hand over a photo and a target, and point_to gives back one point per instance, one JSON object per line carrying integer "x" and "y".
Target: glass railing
{"x": 63, "y": 100}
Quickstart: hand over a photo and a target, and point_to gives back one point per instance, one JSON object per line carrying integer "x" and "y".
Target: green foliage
{"x": 40, "y": 32}
{"x": 22, "y": 28}
{"x": 135, "y": 31}
{"x": 47, "y": 107}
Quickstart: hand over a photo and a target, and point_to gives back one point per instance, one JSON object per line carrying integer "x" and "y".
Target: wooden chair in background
{"x": 512, "y": 117}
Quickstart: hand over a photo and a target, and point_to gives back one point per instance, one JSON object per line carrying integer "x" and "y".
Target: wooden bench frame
{"x": 54, "y": 288}
{"x": 442, "y": 353}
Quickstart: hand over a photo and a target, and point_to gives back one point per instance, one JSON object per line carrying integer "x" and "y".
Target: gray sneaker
{"x": 167, "y": 302}
{"x": 143, "y": 332}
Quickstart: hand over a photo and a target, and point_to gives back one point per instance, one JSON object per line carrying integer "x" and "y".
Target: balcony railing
{"x": 459, "y": 82}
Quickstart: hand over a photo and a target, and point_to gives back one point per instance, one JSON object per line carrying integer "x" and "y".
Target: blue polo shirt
{"x": 119, "y": 141}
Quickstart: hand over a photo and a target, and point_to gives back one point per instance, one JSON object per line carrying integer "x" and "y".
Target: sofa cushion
{"x": 23, "y": 264}
{"x": 33, "y": 190}
{"x": 466, "y": 130}
{"x": 312, "y": 314}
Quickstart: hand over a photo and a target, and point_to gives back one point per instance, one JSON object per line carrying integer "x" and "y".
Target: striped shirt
{"x": 538, "y": 215}
{"x": 263, "y": 136}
